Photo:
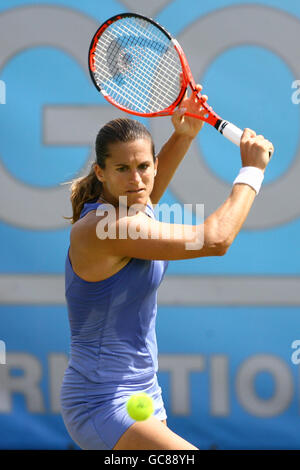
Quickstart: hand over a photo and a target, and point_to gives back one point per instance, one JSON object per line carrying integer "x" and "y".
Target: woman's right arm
{"x": 139, "y": 236}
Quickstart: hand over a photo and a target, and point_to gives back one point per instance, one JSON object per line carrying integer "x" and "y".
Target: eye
{"x": 144, "y": 166}
{"x": 121, "y": 169}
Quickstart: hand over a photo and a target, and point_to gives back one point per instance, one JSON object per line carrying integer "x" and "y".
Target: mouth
{"x": 136, "y": 191}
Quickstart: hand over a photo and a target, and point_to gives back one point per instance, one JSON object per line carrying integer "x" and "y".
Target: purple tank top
{"x": 112, "y": 322}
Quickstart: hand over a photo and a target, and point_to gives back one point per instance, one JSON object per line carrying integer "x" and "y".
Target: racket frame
{"x": 229, "y": 130}
{"x": 92, "y": 68}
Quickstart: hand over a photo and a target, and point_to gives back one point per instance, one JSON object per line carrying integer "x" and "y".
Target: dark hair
{"x": 119, "y": 130}
{"x": 87, "y": 188}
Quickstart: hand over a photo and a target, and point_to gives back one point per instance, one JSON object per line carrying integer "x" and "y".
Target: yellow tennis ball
{"x": 140, "y": 406}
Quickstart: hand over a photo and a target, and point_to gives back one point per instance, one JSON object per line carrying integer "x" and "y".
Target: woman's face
{"x": 129, "y": 171}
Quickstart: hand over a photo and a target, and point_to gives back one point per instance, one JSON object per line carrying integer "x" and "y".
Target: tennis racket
{"x": 142, "y": 70}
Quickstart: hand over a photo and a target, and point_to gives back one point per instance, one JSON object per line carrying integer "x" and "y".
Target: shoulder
{"x": 84, "y": 230}
{"x": 89, "y": 256}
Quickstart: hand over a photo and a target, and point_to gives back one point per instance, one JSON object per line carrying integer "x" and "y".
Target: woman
{"x": 112, "y": 281}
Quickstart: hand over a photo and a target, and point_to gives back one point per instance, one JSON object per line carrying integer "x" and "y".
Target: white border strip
{"x": 230, "y": 290}
{"x": 174, "y": 290}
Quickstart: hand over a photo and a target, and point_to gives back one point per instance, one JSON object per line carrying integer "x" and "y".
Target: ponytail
{"x": 83, "y": 189}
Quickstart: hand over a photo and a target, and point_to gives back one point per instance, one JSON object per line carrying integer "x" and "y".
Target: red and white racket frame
{"x": 167, "y": 111}
{"x": 229, "y": 130}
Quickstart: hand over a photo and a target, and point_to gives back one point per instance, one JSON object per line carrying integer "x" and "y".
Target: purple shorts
{"x": 96, "y": 419}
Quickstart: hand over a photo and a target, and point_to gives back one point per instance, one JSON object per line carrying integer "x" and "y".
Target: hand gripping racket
{"x": 141, "y": 69}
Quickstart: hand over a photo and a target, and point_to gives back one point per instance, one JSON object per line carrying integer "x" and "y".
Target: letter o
{"x": 245, "y": 385}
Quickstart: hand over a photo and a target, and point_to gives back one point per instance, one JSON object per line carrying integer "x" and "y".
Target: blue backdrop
{"x": 225, "y": 339}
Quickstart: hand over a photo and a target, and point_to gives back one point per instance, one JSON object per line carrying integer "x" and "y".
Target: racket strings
{"x": 137, "y": 66}
{"x": 156, "y": 88}
{"x": 142, "y": 78}
{"x": 141, "y": 72}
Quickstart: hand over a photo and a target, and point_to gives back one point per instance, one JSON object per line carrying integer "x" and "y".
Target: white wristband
{"x": 251, "y": 176}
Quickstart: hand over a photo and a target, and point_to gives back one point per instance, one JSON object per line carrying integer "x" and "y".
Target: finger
{"x": 202, "y": 106}
{"x": 198, "y": 99}
{"x": 181, "y": 111}
{"x": 248, "y": 134}
{"x": 269, "y": 144}
{"x": 178, "y": 114}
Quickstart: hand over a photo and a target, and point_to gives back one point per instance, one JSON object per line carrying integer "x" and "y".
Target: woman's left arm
{"x": 185, "y": 130}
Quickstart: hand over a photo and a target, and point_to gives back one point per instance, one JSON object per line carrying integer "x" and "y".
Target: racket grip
{"x": 231, "y": 132}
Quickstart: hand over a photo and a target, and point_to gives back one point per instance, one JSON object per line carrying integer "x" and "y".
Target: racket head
{"x": 134, "y": 63}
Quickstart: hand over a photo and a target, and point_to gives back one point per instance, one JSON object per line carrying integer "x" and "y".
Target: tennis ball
{"x": 140, "y": 406}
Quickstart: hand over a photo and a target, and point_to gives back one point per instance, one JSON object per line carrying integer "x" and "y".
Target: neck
{"x": 108, "y": 199}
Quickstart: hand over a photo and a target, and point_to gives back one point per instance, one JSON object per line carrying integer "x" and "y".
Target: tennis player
{"x": 112, "y": 281}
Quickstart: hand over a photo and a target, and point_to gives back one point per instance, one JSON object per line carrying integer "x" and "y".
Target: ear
{"x": 155, "y": 166}
{"x": 99, "y": 173}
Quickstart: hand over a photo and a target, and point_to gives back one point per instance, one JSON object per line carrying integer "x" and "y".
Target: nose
{"x": 135, "y": 176}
